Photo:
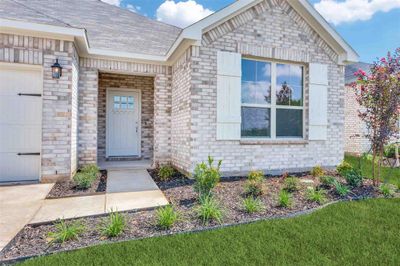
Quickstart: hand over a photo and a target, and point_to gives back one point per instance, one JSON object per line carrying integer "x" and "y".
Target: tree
{"x": 378, "y": 94}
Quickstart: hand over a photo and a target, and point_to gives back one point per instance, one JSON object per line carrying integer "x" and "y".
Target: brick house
{"x": 258, "y": 84}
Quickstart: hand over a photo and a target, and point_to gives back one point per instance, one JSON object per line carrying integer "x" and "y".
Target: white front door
{"x": 20, "y": 123}
{"x": 123, "y": 123}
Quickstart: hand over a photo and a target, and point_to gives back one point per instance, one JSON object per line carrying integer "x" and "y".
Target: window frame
{"x": 273, "y": 106}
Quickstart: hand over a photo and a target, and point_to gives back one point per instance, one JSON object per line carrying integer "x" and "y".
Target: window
{"x": 272, "y": 100}
{"x": 123, "y": 102}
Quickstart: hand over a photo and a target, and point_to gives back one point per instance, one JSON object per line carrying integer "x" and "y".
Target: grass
{"x": 390, "y": 175}
{"x": 347, "y": 233}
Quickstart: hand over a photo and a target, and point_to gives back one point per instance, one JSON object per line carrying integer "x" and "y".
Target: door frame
{"x": 139, "y": 92}
{"x": 30, "y": 67}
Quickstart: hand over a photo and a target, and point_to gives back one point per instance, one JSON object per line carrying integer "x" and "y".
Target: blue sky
{"x": 369, "y": 26}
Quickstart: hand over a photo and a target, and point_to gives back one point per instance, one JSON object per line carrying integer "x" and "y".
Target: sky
{"x": 371, "y": 27}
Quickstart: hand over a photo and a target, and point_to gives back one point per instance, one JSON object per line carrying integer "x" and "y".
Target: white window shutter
{"x": 318, "y": 98}
{"x": 229, "y": 71}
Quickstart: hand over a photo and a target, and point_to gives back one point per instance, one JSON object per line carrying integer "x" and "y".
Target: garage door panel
{"x": 29, "y": 167}
{"x": 20, "y": 123}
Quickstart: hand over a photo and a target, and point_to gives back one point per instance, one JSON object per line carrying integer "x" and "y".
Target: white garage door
{"x": 20, "y": 123}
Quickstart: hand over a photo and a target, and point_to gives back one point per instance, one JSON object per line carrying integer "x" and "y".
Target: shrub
{"x": 343, "y": 168}
{"x": 84, "y": 180}
{"x": 166, "y": 172}
{"x": 317, "y": 171}
{"x": 209, "y": 210}
{"x": 285, "y": 199}
{"x": 114, "y": 225}
{"x": 341, "y": 190}
{"x": 91, "y": 168}
{"x": 390, "y": 151}
{"x": 327, "y": 180}
{"x": 166, "y": 217}
{"x": 65, "y": 232}
{"x": 254, "y": 188}
{"x": 206, "y": 176}
{"x": 398, "y": 185}
{"x": 291, "y": 184}
{"x": 316, "y": 195}
{"x": 256, "y": 176}
{"x": 386, "y": 190}
{"x": 353, "y": 178}
{"x": 252, "y": 205}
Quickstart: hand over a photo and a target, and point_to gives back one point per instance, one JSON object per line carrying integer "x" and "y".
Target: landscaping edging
{"x": 211, "y": 228}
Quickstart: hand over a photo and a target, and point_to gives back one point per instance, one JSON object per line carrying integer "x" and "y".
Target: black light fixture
{"x": 56, "y": 70}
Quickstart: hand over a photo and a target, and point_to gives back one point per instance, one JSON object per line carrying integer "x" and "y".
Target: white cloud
{"x": 133, "y": 8}
{"x": 338, "y": 12}
{"x": 181, "y": 14}
{"x": 113, "y": 2}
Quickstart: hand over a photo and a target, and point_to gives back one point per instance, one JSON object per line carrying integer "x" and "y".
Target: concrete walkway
{"x": 126, "y": 190}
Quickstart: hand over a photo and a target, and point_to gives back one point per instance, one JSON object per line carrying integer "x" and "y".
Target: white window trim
{"x": 272, "y": 106}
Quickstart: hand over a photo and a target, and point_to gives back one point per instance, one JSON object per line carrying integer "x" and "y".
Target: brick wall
{"x": 146, "y": 86}
{"x": 57, "y": 96}
{"x": 355, "y": 129}
{"x": 271, "y": 29}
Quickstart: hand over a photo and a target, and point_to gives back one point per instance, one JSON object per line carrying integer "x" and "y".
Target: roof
{"x": 100, "y": 29}
{"x": 108, "y": 27}
{"x": 351, "y": 69}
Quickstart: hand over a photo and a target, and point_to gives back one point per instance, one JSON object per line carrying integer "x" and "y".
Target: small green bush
{"x": 206, "y": 177}
{"x": 209, "y": 210}
{"x": 315, "y": 195}
{"x": 341, "y": 190}
{"x": 65, "y": 232}
{"x": 285, "y": 199}
{"x": 317, "y": 171}
{"x": 91, "y": 168}
{"x": 114, "y": 225}
{"x": 166, "y": 217}
{"x": 343, "y": 168}
{"x": 83, "y": 180}
{"x": 353, "y": 178}
{"x": 256, "y": 176}
{"x": 291, "y": 184}
{"x": 252, "y": 205}
{"x": 386, "y": 190}
{"x": 390, "y": 151}
{"x": 166, "y": 172}
{"x": 327, "y": 180}
{"x": 254, "y": 188}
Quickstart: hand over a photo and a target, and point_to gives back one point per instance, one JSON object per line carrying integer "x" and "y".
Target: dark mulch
{"x": 32, "y": 240}
{"x": 69, "y": 189}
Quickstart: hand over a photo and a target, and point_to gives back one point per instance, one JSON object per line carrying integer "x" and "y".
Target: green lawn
{"x": 358, "y": 233}
{"x": 391, "y": 175}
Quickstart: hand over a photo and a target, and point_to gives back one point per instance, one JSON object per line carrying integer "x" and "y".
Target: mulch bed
{"x": 69, "y": 189}
{"x": 32, "y": 240}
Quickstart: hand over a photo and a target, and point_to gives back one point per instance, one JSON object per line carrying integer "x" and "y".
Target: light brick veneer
{"x": 56, "y": 155}
{"x": 146, "y": 86}
{"x": 270, "y": 30}
{"x": 355, "y": 129}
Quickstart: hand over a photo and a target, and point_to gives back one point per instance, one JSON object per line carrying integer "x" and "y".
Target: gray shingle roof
{"x": 350, "y": 69}
{"x": 108, "y": 27}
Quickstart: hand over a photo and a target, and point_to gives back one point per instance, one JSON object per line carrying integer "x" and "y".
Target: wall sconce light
{"x": 56, "y": 70}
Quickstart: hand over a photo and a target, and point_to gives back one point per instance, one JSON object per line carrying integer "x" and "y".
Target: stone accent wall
{"x": 88, "y": 105}
{"x": 57, "y": 97}
{"x": 269, "y": 30}
{"x": 355, "y": 129}
{"x": 181, "y": 110}
{"x": 143, "y": 83}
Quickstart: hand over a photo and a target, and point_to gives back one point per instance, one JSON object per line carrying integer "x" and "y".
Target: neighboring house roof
{"x": 351, "y": 69}
{"x": 107, "y": 26}
{"x": 104, "y": 30}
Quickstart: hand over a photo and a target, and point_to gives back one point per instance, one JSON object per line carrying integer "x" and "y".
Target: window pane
{"x": 116, "y": 105}
{"x": 256, "y": 82}
{"x": 289, "y": 123}
{"x": 130, "y": 105}
{"x": 130, "y": 99}
{"x": 123, "y": 99}
{"x": 123, "y": 105}
{"x": 116, "y": 98}
{"x": 256, "y": 122}
{"x": 289, "y": 85}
